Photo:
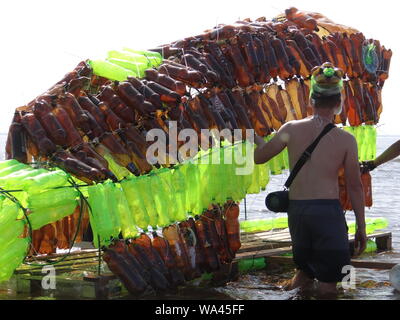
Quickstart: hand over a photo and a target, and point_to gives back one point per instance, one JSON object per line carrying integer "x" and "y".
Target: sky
{"x": 40, "y": 41}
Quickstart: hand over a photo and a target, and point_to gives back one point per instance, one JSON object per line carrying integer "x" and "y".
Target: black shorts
{"x": 319, "y": 236}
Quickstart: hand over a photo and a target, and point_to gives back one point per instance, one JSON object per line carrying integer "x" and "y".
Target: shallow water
{"x": 371, "y": 284}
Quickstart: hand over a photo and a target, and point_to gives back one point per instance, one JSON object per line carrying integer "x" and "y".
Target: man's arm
{"x": 389, "y": 154}
{"x": 265, "y": 151}
{"x": 356, "y": 192}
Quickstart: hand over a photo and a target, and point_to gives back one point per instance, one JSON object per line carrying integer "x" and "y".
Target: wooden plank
{"x": 66, "y": 263}
{"x": 365, "y": 264}
{"x": 285, "y": 237}
{"x": 59, "y": 255}
{"x": 384, "y": 243}
{"x": 262, "y": 246}
{"x": 262, "y": 253}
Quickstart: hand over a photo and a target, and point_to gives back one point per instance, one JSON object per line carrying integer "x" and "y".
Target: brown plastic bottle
{"x": 157, "y": 280}
{"x": 232, "y": 226}
{"x": 145, "y": 242}
{"x": 94, "y": 110}
{"x": 121, "y": 248}
{"x": 43, "y": 112}
{"x": 134, "y": 99}
{"x": 166, "y": 81}
{"x": 203, "y": 236}
{"x": 225, "y": 253}
{"x": 79, "y": 118}
{"x": 32, "y": 125}
{"x": 200, "y": 255}
{"x": 147, "y": 92}
{"x": 166, "y": 95}
{"x": 242, "y": 74}
{"x": 189, "y": 240}
{"x": 119, "y": 266}
{"x": 171, "y": 234}
{"x": 116, "y": 104}
{"x": 367, "y": 187}
{"x": 161, "y": 245}
{"x": 77, "y": 168}
{"x": 48, "y": 243}
{"x": 17, "y": 140}
{"x": 73, "y": 136}
{"x": 62, "y": 241}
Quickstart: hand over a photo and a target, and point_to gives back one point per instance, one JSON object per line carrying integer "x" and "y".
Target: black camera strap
{"x": 306, "y": 155}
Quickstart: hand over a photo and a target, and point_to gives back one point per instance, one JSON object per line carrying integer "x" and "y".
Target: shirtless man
{"x": 316, "y": 220}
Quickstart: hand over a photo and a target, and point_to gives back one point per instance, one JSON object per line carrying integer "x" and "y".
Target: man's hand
{"x": 367, "y": 166}
{"x": 360, "y": 241}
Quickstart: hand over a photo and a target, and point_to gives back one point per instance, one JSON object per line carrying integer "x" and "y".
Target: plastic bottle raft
{"x": 92, "y": 124}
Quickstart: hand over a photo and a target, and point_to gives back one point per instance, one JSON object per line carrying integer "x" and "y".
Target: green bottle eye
{"x": 329, "y": 72}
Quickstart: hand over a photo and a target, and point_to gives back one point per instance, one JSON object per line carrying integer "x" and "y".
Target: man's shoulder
{"x": 345, "y": 135}
{"x": 345, "y": 139}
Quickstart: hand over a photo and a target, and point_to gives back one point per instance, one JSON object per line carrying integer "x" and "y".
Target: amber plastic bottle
{"x": 145, "y": 242}
{"x": 189, "y": 240}
{"x": 36, "y": 131}
{"x": 119, "y": 266}
{"x": 203, "y": 236}
{"x": 233, "y": 226}
{"x": 367, "y": 186}
{"x": 157, "y": 280}
{"x": 171, "y": 234}
{"x": 161, "y": 245}
{"x": 17, "y": 140}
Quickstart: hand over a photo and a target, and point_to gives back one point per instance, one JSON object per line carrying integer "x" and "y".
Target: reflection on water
{"x": 371, "y": 284}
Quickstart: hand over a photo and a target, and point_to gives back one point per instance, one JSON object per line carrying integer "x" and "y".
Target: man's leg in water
{"x": 300, "y": 280}
{"x": 327, "y": 289}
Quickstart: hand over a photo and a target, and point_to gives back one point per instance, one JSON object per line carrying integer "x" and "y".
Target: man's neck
{"x": 325, "y": 114}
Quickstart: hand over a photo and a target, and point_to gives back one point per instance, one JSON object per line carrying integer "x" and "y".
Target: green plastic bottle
{"x": 371, "y": 246}
{"x": 149, "y": 54}
{"x": 139, "y": 201}
{"x": 179, "y": 186}
{"x": 251, "y": 264}
{"x": 372, "y": 225}
{"x": 12, "y": 257}
{"x": 137, "y": 68}
{"x": 261, "y": 225}
{"x": 100, "y": 214}
{"x": 126, "y": 217}
{"x": 255, "y": 184}
{"x": 12, "y": 169}
{"x": 127, "y": 56}
{"x": 264, "y": 175}
{"x": 207, "y": 182}
{"x": 110, "y": 70}
{"x": 168, "y": 210}
{"x": 193, "y": 185}
{"x": 44, "y": 181}
{"x": 371, "y": 134}
{"x": 119, "y": 172}
{"x": 8, "y": 163}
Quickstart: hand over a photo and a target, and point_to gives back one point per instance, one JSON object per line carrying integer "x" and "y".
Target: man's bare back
{"x": 318, "y": 179}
